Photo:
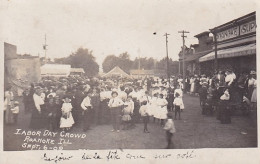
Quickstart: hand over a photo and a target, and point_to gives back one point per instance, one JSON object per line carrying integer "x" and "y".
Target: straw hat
{"x": 252, "y": 72}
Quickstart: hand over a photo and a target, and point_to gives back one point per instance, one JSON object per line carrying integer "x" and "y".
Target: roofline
{"x": 216, "y": 29}
{"x": 198, "y": 35}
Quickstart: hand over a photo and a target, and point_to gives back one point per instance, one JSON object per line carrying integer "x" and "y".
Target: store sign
{"x": 248, "y": 28}
{"x": 228, "y": 34}
{"x": 236, "y": 31}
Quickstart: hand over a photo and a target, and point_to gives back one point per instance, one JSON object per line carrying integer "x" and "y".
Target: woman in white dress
{"x": 254, "y": 96}
{"x": 192, "y": 85}
{"x": 254, "y": 103}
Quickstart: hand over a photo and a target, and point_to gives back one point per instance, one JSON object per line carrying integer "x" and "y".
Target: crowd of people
{"x": 223, "y": 92}
{"x": 77, "y": 101}
{"x": 63, "y": 103}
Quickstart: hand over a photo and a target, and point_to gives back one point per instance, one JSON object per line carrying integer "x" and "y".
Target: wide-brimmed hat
{"x": 204, "y": 83}
{"x": 114, "y": 92}
{"x": 67, "y": 96}
{"x": 252, "y": 72}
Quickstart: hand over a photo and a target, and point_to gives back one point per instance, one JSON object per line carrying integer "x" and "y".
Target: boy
{"x": 170, "y": 129}
{"x": 144, "y": 113}
{"x": 178, "y": 105}
{"x": 15, "y": 111}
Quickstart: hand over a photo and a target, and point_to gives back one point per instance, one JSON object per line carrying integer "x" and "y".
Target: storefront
{"x": 236, "y": 46}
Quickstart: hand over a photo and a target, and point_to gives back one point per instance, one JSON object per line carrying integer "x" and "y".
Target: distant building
{"x": 136, "y": 73}
{"x": 10, "y": 51}
{"x": 20, "y": 71}
{"x": 196, "y": 51}
{"x": 77, "y": 71}
{"x": 55, "y": 70}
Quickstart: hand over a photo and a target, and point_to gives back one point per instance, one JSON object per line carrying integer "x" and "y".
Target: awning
{"x": 231, "y": 52}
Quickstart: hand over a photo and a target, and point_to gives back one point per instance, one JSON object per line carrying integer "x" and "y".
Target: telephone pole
{"x": 45, "y": 49}
{"x": 183, "y": 55}
{"x": 139, "y": 60}
{"x": 167, "y": 58}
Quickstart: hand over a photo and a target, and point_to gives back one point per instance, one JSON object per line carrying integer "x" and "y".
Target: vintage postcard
{"x": 129, "y": 81}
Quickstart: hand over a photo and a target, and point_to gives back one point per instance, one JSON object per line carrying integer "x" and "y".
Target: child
{"x": 144, "y": 113}
{"x": 128, "y": 109}
{"x": 15, "y": 111}
{"x": 57, "y": 106}
{"x": 153, "y": 106}
{"x": 225, "y": 114}
{"x": 66, "y": 120}
{"x": 161, "y": 113}
{"x": 115, "y": 104}
{"x": 88, "y": 112}
{"x": 51, "y": 114}
{"x": 178, "y": 105}
{"x": 170, "y": 129}
{"x": 26, "y": 101}
{"x": 170, "y": 99}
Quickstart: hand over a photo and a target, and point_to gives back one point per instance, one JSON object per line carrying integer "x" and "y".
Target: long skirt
{"x": 254, "y": 97}
{"x": 9, "y": 117}
{"x": 225, "y": 112}
{"x": 192, "y": 87}
{"x": 161, "y": 113}
{"x": 37, "y": 120}
{"x": 67, "y": 122}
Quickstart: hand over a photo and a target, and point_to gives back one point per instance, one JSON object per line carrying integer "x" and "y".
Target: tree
{"x": 123, "y": 61}
{"x": 173, "y": 66}
{"x": 109, "y": 63}
{"x": 145, "y": 63}
{"x": 82, "y": 58}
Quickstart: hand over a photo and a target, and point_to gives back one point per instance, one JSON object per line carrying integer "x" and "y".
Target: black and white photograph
{"x": 119, "y": 75}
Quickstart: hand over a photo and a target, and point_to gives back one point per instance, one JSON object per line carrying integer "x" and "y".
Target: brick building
{"x": 236, "y": 46}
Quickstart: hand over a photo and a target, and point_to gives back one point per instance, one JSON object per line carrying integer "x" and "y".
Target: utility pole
{"x": 216, "y": 52}
{"x": 183, "y": 55}
{"x": 45, "y": 49}
{"x": 167, "y": 58}
{"x": 139, "y": 60}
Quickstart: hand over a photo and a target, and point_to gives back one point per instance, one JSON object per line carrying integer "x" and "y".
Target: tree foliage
{"x": 124, "y": 62}
{"x": 82, "y": 58}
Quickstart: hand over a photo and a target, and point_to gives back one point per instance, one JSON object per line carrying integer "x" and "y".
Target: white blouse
{"x": 38, "y": 101}
{"x": 66, "y": 107}
{"x": 86, "y": 103}
{"x": 115, "y": 102}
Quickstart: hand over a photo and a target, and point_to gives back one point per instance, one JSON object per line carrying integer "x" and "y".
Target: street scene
{"x": 120, "y": 81}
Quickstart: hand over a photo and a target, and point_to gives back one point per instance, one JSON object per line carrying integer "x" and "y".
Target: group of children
{"x": 152, "y": 106}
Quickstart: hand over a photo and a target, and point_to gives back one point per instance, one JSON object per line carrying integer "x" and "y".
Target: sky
{"x": 111, "y": 27}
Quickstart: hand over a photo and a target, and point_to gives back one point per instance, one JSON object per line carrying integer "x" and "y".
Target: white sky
{"x": 112, "y": 26}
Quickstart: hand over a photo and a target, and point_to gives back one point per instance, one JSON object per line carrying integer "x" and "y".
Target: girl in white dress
{"x": 127, "y": 111}
{"x": 153, "y": 106}
{"x": 161, "y": 113}
{"x": 66, "y": 120}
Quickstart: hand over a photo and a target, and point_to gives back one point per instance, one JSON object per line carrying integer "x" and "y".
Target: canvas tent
{"x": 116, "y": 71}
{"x": 57, "y": 70}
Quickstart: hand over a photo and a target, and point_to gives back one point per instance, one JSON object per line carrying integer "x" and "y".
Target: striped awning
{"x": 231, "y": 52}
